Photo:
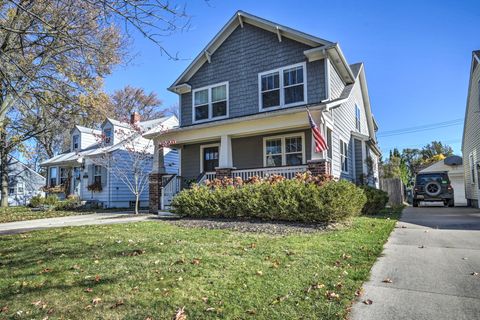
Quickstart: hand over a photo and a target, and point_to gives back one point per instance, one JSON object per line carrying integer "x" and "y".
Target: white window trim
{"x": 282, "y": 88}
{"x": 50, "y": 175}
{"x": 344, "y": 144}
{"x": 284, "y": 154}
{"x": 203, "y": 146}
{"x": 471, "y": 162}
{"x": 18, "y": 184}
{"x": 359, "y": 128}
{"x": 78, "y": 142}
{"x": 210, "y": 106}
{"x": 99, "y": 174}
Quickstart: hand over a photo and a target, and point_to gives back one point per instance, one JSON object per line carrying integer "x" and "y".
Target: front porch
{"x": 285, "y": 149}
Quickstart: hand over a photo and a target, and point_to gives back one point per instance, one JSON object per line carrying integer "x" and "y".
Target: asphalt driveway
{"x": 430, "y": 268}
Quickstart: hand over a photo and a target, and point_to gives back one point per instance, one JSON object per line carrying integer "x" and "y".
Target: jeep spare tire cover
{"x": 433, "y": 188}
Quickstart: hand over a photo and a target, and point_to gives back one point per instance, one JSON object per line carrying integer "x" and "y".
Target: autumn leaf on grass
{"x": 136, "y": 252}
{"x": 280, "y": 299}
{"x": 40, "y": 304}
{"x": 96, "y": 301}
{"x": 359, "y": 292}
{"x": 97, "y": 278}
{"x": 253, "y": 245}
{"x": 315, "y": 286}
{"x": 196, "y": 261}
{"x": 474, "y": 273}
{"x": 89, "y": 290}
{"x": 251, "y": 312}
{"x": 259, "y": 273}
{"x": 117, "y": 304}
{"x": 46, "y": 270}
{"x": 180, "y": 314}
{"x": 3, "y": 309}
{"x": 275, "y": 264}
{"x": 367, "y": 302}
{"x": 387, "y": 280}
{"x": 332, "y": 295}
{"x": 346, "y": 256}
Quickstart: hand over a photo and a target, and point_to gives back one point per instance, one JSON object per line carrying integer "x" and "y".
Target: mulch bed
{"x": 257, "y": 226}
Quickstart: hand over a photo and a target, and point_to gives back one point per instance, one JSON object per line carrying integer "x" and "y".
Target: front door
{"x": 210, "y": 159}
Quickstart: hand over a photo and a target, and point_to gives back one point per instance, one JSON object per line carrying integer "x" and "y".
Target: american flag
{"x": 320, "y": 144}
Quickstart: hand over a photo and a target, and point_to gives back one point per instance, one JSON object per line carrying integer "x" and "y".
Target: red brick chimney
{"x": 134, "y": 118}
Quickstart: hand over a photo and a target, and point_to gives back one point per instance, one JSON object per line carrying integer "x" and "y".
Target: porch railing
{"x": 288, "y": 172}
{"x": 171, "y": 185}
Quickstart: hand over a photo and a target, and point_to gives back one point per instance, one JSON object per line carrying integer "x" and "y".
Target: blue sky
{"x": 417, "y": 55}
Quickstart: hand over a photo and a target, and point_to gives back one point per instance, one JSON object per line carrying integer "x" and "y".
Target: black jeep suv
{"x": 433, "y": 186}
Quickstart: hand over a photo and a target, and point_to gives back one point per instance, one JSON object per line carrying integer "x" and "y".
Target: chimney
{"x": 135, "y": 118}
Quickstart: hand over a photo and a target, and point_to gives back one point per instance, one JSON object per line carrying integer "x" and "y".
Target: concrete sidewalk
{"x": 70, "y": 221}
{"x": 430, "y": 258}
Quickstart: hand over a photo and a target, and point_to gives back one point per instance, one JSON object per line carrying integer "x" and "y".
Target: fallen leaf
{"x": 359, "y": 292}
{"x": 251, "y": 312}
{"x": 97, "y": 278}
{"x": 346, "y": 256}
{"x": 205, "y": 299}
{"x": 196, "y": 261}
{"x": 46, "y": 270}
{"x": 421, "y": 247}
{"x": 3, "y": 309}
{"x": 89, "y": 290}
{"x": 96, "y": 301}
{"x": 367, "y": 302}
{"x": 136, "y": 252}
{"x": 275, "y": 264}
{"x": 474, "y": 273}
{"x": 40, "y": 304}
{"x": 253, "y": 245}
{"x": 465, "y": 258}
{"x": 403, "y": 227}
{"x": 117, "y": 304}
{"x": 332, "y": 295}
{"x": 314, "y": 287}
{"x": 210, "y": 309}
{"x": 180, "y": 314}
{"x": 280, "y": 299}
{"x": 387, "y": 280}
{"x": 259, "y": 273}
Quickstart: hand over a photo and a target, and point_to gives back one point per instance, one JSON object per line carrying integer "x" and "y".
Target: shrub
{"x": 36, "y": 201}
{"x": 305, "y": 199}
{"x": 72, "y": 202}
{"x": 50, "y": 200}
{"x": 376, "y": 200}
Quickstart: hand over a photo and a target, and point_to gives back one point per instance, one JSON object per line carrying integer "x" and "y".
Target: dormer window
{"x": 210, "y": 103}
{"x": 76, "y": 142}
{"x": 108, "y": 135}
{"x": 283, "y": 87}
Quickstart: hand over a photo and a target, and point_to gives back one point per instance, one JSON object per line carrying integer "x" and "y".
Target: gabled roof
{"x": 240, "y": 18}
{"x": 475, "y": 63}
{"x": 87, "y": 130}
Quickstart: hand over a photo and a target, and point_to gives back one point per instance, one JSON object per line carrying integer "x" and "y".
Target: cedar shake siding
{"x": 247, "y": 52}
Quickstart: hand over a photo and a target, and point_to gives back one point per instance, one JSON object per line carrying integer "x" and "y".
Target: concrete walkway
{"x": 430, "y": 258}
{"x": 70, "y": 221}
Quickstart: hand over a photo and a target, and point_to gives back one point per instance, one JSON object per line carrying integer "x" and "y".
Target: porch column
{"x": 155, "y": 178}
{"x": 225, "y": 161}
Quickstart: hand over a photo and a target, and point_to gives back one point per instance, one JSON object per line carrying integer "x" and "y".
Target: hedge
{"x": 376, "y": 200}
{"x": 304, "y": 199}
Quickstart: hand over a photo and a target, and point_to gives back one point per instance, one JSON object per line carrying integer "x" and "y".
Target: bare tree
{"x": 130, "y": 99}
{"x": 131, "y": 161}
{"x": 54, "y": 54}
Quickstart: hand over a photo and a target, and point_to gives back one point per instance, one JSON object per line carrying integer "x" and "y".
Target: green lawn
{"x": 11, "y": 214}
{"x": 149, "y": 270}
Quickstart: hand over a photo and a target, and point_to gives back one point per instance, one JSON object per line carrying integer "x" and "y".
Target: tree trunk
{"x": 137, "y": 202}
{"x": 3, "y": 168}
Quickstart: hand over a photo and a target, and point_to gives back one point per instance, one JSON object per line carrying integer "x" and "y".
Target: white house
{"x": 454, "y": 167}
{"x": 76, "y": 170}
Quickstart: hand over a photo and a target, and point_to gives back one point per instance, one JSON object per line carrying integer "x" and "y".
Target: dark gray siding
{"x": 247, "y": 52}
{"x": 248, "y": 152}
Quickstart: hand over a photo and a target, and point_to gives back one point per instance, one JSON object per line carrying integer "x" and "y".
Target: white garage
{"x": 454, "y": 166}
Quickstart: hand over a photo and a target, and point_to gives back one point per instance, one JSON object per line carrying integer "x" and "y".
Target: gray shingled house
{"x": 23, "y": 183}
{"x": 471, "y": 134}
{"x": 243, "y": 110}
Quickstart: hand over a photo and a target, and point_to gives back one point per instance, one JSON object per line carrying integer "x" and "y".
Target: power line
{"x": 454, "y": 141}
{"x": 426, "y": 127}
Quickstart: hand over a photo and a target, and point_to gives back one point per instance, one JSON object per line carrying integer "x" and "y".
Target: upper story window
{"x": 344, "y": 155}
{"x": 283, "y": 87}
{"x": 210, "y": 103}
{"x": 108, "y": 135}
{"x": 357, "y": 118}
{"x": 53, "y": 176}
{"x": 76, "y": 142}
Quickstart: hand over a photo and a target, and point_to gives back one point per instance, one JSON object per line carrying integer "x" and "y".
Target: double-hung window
{"x": 472, "y": 167}
{"x": 210, "y": 103}
{"x": 357, "y": 118}
{"x": 97, "y": 174}
{"x": 63, "y": 176}
{"x": 20, "y": 188}
{"x": 53, "y": 176}
{"x": 284, "y": 150}
{"x": 76, "y": 142}
{"x": 283, "y": 87}
{"x": 344, "y": 155}
{"x": 108, "y": 135}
